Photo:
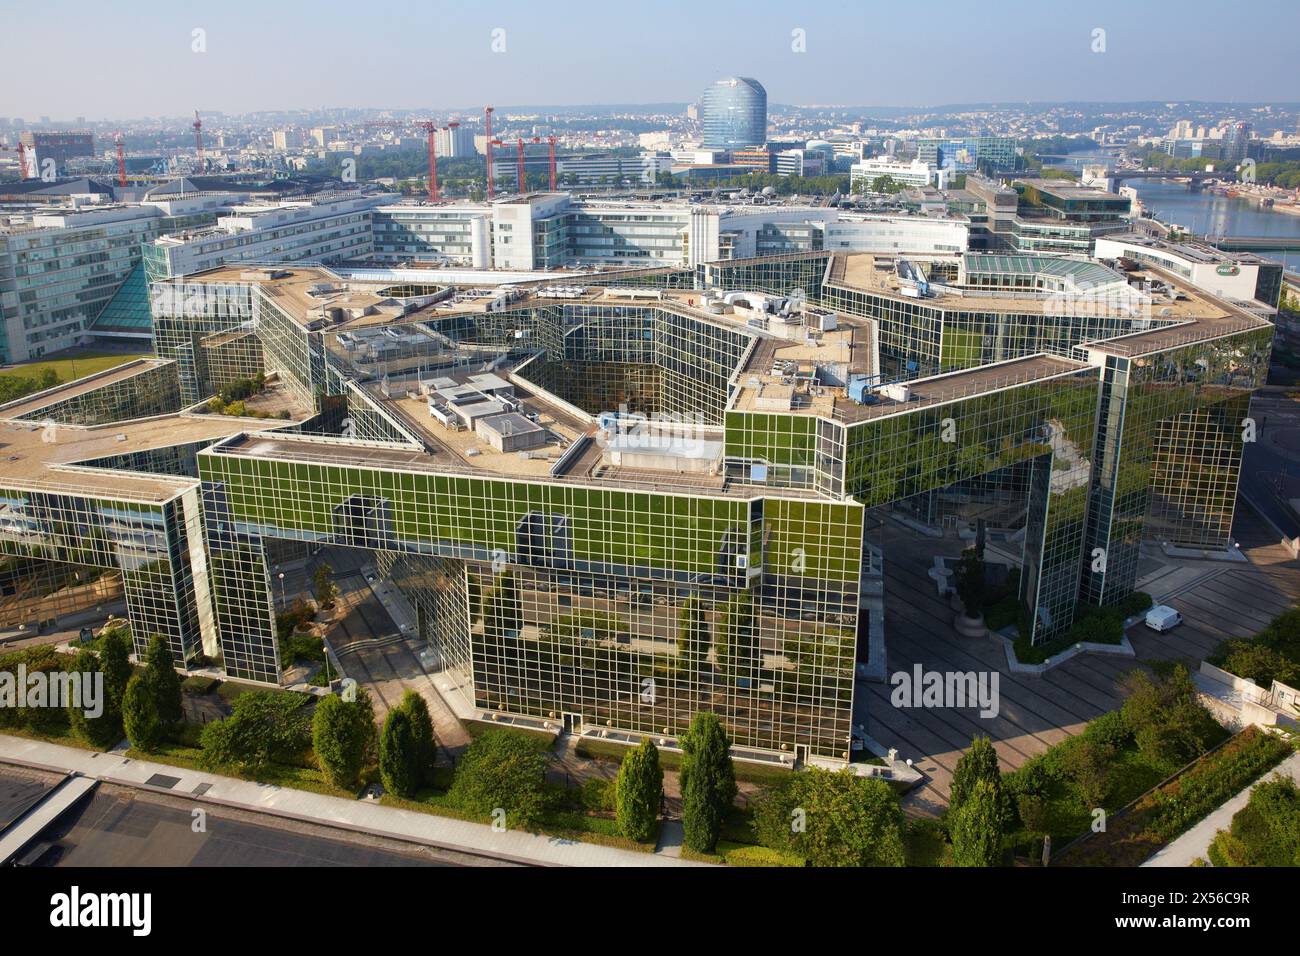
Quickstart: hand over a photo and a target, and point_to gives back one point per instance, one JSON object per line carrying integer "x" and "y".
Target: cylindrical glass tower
{"x": 733, "y": 112}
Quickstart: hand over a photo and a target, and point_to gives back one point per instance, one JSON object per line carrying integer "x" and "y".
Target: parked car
{"x": 1163, "y": 618}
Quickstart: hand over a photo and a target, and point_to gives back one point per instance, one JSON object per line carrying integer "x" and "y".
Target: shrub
{"x": 708, "y": 781}
{"x": 140, "y": 715}
{"x": 1167, "y": 721}
{"x": 502, "y": 770}
{"x": 1256, "y": 661}
{"x": 115, "y": 662}
{"x": 105, "y": 730}
{"x": 265, "y": 726}
{"x": 398, "y": 760}
{"x": 979, "y": 762}
{"x": 1109, "y": 731}
{"x": 976, "y": 826}
{"x": 342, "y": 736}
{"x": 639, "y": 792}
{"x": 426, "y": 745}
{"x": 832, "y": 819}
{"x": 1085, "y": 763}
{"x": 971, "y": 582}
{"x": 1265, "y": 832}
{"x": 323, "y": 585}
{"x": 164, "y": 682}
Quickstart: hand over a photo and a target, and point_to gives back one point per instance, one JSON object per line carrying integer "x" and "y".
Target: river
{"x": 1203, "y": 212}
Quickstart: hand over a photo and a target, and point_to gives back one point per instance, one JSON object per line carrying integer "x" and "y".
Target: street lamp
{"x": 283, "y": 603}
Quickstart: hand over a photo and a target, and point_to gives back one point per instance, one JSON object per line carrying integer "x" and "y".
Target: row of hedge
{"x": 1092, "y": 625}
{"x": 1158, "y": 817}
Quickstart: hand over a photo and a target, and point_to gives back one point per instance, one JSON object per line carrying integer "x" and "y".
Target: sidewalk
{"x": 1196, "y": 841}
{"x": 356, "y": 815}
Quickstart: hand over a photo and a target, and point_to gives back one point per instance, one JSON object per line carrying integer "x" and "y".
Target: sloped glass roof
{"x": 128, "y": 310}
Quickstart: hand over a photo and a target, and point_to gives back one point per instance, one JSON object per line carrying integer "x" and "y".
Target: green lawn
{"x": 73, "y": 365}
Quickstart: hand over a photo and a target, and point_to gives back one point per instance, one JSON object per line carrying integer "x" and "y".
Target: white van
{"x": 1163, "y": 618}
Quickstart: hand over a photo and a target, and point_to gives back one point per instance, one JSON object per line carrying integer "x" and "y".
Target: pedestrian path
{"x": 357, "y": 815}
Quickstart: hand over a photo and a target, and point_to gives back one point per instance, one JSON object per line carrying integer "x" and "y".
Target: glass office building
{"x": 565, "y": 564}
{"x": 733, "y": 114}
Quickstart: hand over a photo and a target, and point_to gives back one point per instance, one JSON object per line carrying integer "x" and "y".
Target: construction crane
{"x": 21, "y": 150}
{"x": 121, "y": 159}
{"x": 198, "y": 140}
{"x": 487, "y": 113}
{"x": 551, "y": 140}
{"x": 431, "y": 134}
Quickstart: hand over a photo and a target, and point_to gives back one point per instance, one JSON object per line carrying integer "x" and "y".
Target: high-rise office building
{"x": 733, "y": 112}
{"x": 1236, "y": 139}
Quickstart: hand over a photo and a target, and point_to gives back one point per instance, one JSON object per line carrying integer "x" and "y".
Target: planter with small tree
{"x": 972, "y": 586}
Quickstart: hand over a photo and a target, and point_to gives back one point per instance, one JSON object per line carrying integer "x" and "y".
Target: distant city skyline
{"x": 406, "y": 55}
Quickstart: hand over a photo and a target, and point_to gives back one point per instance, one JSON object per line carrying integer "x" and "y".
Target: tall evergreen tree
{"x": 115, "y": 662}
{"x": 398, "y": 755}
{"x": 340, "y": 733}
{"x": 639, "y": 792}
{"x": 140, "y": 715}
{"x": 104, "y": 731}
{"x": 164, "y": 680}
{"x": 426, "y": 745}
{"x": 976, "y": 826}
{"x": 708, "y": 781}
{"x": 980, "y": 762}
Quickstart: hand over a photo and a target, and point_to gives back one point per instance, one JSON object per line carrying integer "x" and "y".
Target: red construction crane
{"x": 431, "y": 134}
{"x": 551, "y": 140}
{"x": 430, "y": 130}
{"x": 198, "y": 139}
{"x": 121, "y": 160}
{"x": 487, "y": 113}
{"x": 21, "y": 150}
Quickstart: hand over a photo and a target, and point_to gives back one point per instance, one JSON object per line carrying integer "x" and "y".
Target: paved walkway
{"x": 355, "y": 815}
{"x": 1218, "y": 600}
{"x": 1196, "y": 841}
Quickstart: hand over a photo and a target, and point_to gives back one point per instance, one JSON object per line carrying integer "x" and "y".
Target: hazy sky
{"x": 68, "y": 58}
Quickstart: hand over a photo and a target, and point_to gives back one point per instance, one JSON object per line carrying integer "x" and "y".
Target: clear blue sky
{"x": 65, "y": 58}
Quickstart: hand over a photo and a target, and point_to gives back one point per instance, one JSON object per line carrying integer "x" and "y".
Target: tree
{"x": 323, "y": 585}
{"x": 504, "y": 771}
{"x": 399, "y": 755}
{"x": 971, "y": 582}
{"x": 105, "y": 730}
{"x": 341, "y": 733}
{"x": 976, "y": 827}
{"x": 1086, "y": 763}
{"x": 980, "y": 762}
{"x": 426, "y": 744}
{"x": 140, "y": 715}
{"x": 1167, "y": 721}
{"x": 265, "y": 726}
{"x": 708, "y": 781}
{"x": 115, "y": 662}
{"x": 832, "y": 819}
{"x": 163, "y": 680}
{"x": 639, "y": 792}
